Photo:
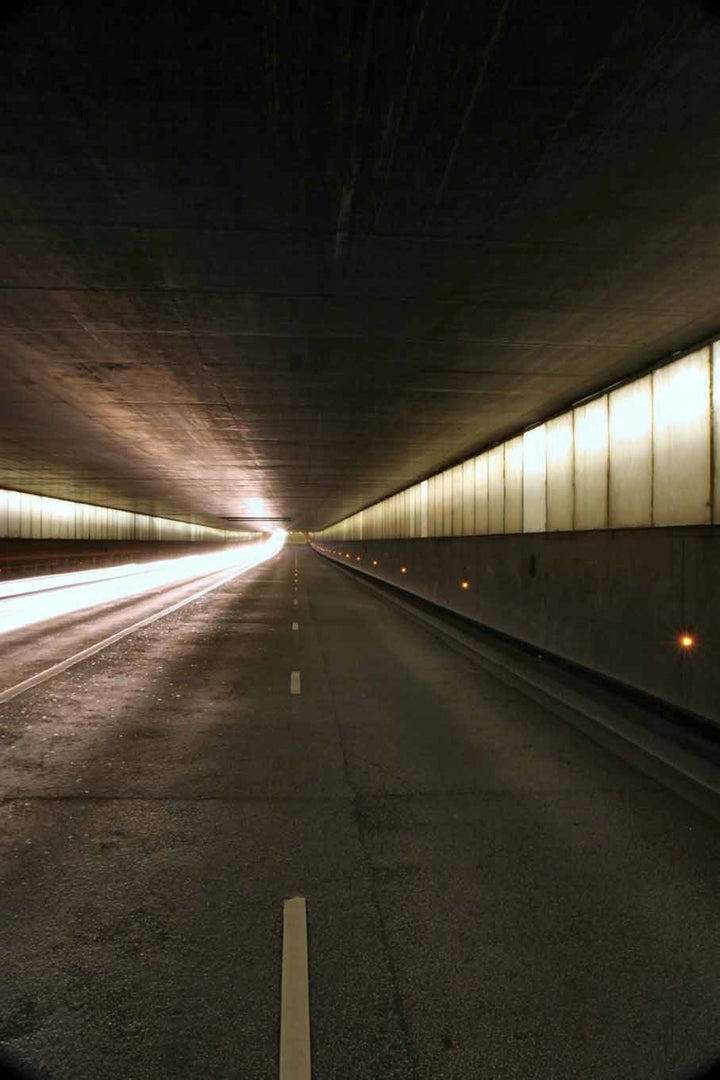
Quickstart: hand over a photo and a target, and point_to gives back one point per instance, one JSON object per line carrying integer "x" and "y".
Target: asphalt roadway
{"x": 489, "y": 893}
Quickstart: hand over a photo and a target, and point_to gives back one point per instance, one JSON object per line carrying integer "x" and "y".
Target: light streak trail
{"x": 27, "y": 601}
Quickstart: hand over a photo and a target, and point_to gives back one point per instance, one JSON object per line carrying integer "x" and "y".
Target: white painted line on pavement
{"x": 57, "y": 669}
{"x": 296, "y": 626}
{"x": 295, "y": 602}
{"x": 295, "y": 994}
{"x": 295, "y": 682}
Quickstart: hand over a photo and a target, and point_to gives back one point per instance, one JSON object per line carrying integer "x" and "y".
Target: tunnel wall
{"x": 643, "y": 454}
{"x": 615, "y": 601}
{"x": 39, "y": 517}
{"x": 593, "y": 536}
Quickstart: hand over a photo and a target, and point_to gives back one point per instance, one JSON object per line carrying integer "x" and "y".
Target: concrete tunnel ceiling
{"x": 309, "y": 251}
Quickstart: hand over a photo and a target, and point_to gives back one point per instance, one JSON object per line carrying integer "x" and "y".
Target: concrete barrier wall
{"x": 616, "y": 601}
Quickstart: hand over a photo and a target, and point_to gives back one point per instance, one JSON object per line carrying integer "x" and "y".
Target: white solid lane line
{"x": 295, "y": 994}
{"x": 296, "y": 626}
{"x": 295, "y": 682}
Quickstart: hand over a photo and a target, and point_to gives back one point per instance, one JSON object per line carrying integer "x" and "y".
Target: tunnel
{"x": 359, "y": 540}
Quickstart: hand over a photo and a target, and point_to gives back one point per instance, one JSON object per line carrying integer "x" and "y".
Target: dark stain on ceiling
{"x": 311, "y": 251}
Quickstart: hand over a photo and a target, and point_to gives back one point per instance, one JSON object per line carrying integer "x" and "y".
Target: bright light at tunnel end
{"x": 27, "y": 601}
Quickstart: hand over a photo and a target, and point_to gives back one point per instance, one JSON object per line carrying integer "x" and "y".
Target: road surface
{"x": 489, "y": 894}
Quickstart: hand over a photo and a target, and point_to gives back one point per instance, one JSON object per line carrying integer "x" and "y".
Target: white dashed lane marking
{"x": 295, "y": 994}
{"x": 295, "y": 682}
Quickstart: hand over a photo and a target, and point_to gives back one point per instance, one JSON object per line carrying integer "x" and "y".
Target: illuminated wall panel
{"x": 631, "y": 455}
{"x": 534, "y": 479}
{"x": 560, "y": 473}
{"x": 591, "y": 464}
{"x": 481, "y": 494}
{"x": 412, "y": 501}
{"x": 468, "y": 497}
{"x": 496, "y": 490}
{"x": 446, "y": 503}
{"x": 716, "y": 430}
{"x": 445, "y": 509}
{"x": 456, "y": 481}
{"x": 26, "y": 516}
{"x": 424, "y": 508}
{"x": 15, "y": 519}
{"x": 57, "y": 519}
{"x": 514, "y": 485}
{"x": 644, "y": 454}
{"x": 681, "y": 427}
{"x": 435, "y": 505}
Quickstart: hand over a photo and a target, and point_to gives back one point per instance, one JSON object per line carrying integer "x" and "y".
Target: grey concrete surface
{"x": 312, "y": 251}
{"x": 615, "y": 601}
{"x": 489, "y": 893}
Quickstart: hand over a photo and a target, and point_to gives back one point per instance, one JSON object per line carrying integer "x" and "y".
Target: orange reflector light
{"x": 464, "y": 584}
{"x": 357, "y": 558}
{"x": 374, "y": 562}
{"x": 403, "y": 569}
{"x": 687, "y": 641}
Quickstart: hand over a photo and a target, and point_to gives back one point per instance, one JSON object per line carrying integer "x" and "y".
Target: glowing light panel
{"x": 534, "y": 476}
{"x": 630, "y": 415}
